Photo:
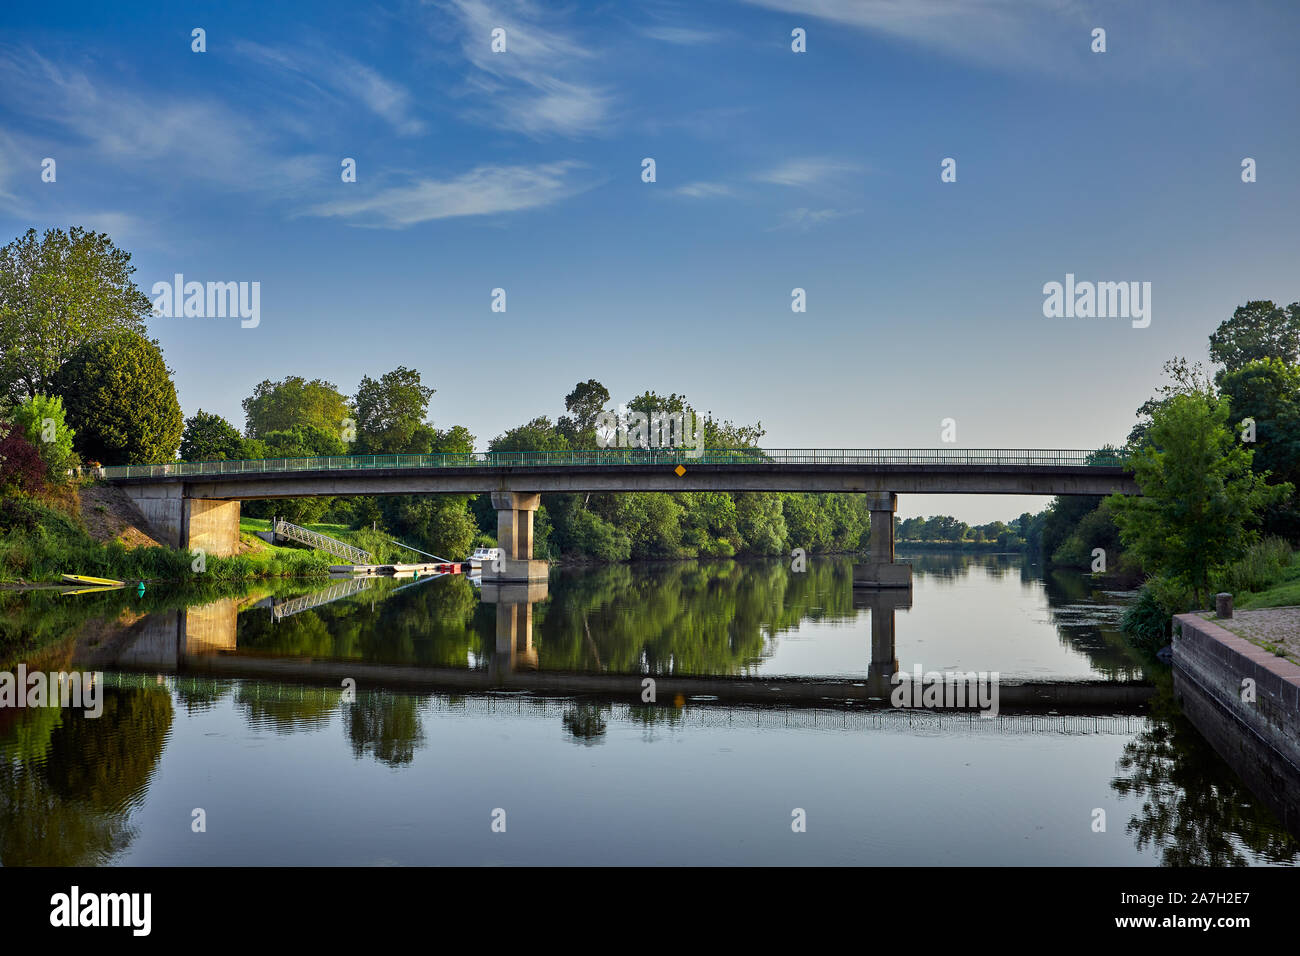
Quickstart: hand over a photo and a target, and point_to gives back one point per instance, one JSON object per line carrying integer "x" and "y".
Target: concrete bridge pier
{"x": 515, "y": 512}
{"x": 880, "y": 569}
{"x": 514, "y": 644}
{"x": 882, "y": 603}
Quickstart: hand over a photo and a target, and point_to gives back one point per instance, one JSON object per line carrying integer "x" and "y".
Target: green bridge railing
{"x": 641, "y": 457}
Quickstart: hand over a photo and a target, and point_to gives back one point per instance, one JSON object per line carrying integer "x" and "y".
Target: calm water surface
{"x": 288, "y": 770}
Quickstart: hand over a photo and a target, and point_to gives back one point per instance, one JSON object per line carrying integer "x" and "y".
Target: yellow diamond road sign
{"x": 680, "y": 471}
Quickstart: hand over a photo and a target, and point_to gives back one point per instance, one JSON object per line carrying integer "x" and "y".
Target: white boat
{"x": 482, "y": 556}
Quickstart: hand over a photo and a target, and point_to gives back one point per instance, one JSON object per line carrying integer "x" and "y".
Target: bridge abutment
{"x": 185, "y": 522}
{"x": 880, "y": 570}
{"x": 515, "y": 511}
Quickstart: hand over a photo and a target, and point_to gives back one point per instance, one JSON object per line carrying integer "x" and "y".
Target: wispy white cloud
{"x": 202, "y": 138}
{"x": 538, "y": 85}
{"x": 327, "y": 70}
{"x": 704, "y": 190}
{"x": 803, "y": 219}
{"x": 483, "y": 191}
{"x": 1005, "y": 33}
{"x": 807, "y": 172}
{"x": 681, "y": 36}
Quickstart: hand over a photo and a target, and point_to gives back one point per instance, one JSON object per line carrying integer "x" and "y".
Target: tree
{"x": 719, "y": 433}
{"x": 652, "y": 403}
{"x": 538, "y": 435}
{"x": 120, "y": 400}
{"x": 585, "y": 404}
{"x": 1199, "y": 496}
{"x": 441, "y": 523}
{"x": 279, "y": 406}
{"x": 303, "y": 441}
{"x": 1185, "y": 379}
{"x": 456, "y": 440}
{"x": 209, "y": 437}
{"x": 761, "y": 523}
{"x": 391, "y": 412}
{"x": 808, "y": 525}
{"x": 1257, "y": 330}
{"x": 1061, "y": 519}
{"x": 57, "y": 293}
{"x": 300, "y": 441}
{"x": 42, "y": 419}
{"x": 1267, "y": 393}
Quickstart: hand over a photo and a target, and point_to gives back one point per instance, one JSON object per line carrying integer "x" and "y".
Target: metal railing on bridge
{"x": 321, "y": 542}
{"x": 640, "y": 457}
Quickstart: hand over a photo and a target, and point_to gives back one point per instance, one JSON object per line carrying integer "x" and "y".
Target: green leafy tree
{"x": 443, "y": 523}
{"x": 300, "y": 441}
{"x": 761, "y": 523}
{"x": 584, "y": 405}
{"x": 807, "y": 522}
{"x": 42, "y": 419}
{"x": 58, "y": 292}
{"x": 209, "y": 437}
{"x": 279, "y": 406}
{"x": 1199, "y": 495}
{"x": 121, "y": 401}
{"x": 391, "y": 413}
{"x": 1267, "y": 393}
{"x": 456, "y": 440}
{"x": 303, "y": 441}
{"x": 652, "y": 403}
{"x": 1184, "y": 379}
{"x": 1257, "y": 330}
{"x": 538, "y": 435}
{"x": 723, "y": 433}
{"x": 439, "y": 523}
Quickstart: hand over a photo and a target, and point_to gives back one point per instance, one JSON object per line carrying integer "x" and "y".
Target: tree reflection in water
{"x": 67, "y": 794}
{"x": 1195, "y": 810}
{"x": 386, "y": 726}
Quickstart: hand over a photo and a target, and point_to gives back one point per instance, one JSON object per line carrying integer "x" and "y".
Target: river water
{"x": 483, "y": 728}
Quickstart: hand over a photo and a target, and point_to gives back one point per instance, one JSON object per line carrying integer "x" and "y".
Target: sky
{"x": 774, "y": 170}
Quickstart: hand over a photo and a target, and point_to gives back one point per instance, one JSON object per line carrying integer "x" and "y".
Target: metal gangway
{"x": 306, "y": 602}
{"x": 321, "y": 542}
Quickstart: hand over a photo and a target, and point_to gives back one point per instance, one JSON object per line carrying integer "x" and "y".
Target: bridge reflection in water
{"x": 202, "y": 641}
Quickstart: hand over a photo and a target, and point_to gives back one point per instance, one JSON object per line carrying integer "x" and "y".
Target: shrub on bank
{"x": 1260, "y": 567}
{"x": 1146, "y": 622}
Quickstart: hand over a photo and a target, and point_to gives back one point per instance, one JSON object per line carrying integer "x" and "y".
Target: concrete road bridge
{"x": 196, "y": 504}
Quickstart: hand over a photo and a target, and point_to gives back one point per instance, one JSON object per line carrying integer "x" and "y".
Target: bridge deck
{"x": 623, "y": 457}
{"x": 901, "y": 471}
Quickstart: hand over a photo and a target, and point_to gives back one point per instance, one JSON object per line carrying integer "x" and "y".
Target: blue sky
{"x": 820, "y": 170}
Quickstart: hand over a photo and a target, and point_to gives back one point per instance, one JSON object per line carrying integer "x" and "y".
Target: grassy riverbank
{"x": 40, "y": 542}
{"x": 1283, "y": 591}
{"x": 378, "y": 543}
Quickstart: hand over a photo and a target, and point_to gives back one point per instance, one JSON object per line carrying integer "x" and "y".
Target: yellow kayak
{"x": 83, "y": 579}
{"x": 92, "y": 590}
